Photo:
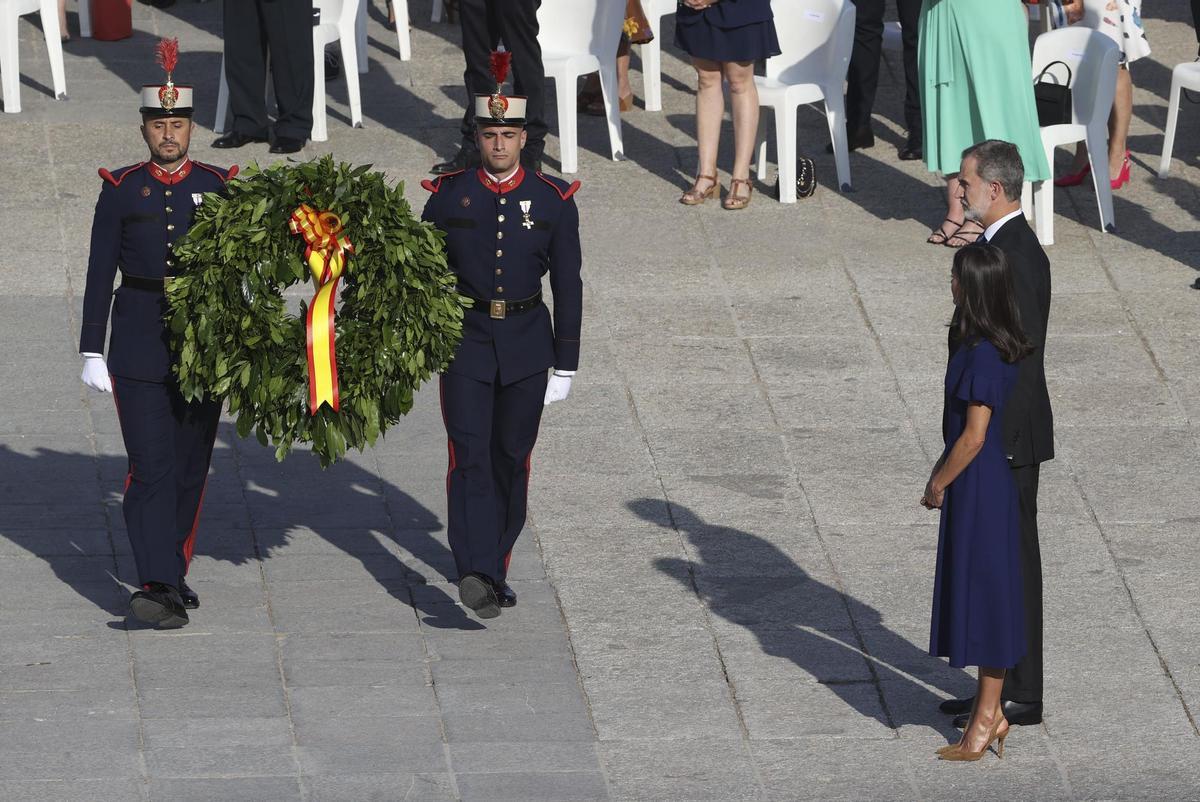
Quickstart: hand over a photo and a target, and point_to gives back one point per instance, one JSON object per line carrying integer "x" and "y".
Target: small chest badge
{"x": 465, "y": 202}
{"x": 525, "y": 207}
{"x": 197, "y": 198}
{"x": 145, "y": 192}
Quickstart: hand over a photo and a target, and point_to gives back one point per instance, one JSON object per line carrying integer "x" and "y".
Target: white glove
{"x": 559, "y": 386}
{"x": 95, "y": 373}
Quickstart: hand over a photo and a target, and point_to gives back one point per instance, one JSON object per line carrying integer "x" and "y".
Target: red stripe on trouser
{"x": 189, "y": 545}
{"x": 528, "y": 476}
{"x": 117, "y": 404}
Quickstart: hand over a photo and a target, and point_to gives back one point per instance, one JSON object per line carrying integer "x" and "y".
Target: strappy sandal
{"x": 694, "y": 196}
{"x": 964, "y": 236}
{"x": 939, "y": 235}
{"x": 733, "y": 201}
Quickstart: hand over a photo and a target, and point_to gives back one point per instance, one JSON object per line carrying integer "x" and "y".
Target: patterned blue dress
{"x": 978, "y": 612}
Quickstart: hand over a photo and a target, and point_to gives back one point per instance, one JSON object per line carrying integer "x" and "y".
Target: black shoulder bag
{"x": 1053, "y": 99}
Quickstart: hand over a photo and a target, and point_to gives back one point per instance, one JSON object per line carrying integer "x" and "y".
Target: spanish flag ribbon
{"x": 327, "y": 252}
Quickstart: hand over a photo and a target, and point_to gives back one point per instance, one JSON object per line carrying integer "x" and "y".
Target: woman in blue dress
{"x": 978, "y": 612}
{"x": 724, "y": 39}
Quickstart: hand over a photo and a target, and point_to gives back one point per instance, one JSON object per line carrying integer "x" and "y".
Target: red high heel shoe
{"x": 1122, "y": 177}
{"x": 1074, "y": 179}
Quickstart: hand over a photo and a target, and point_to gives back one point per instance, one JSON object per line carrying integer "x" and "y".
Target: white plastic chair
{"x": 652, "y": 52}
{"x": 1092, "y": 57}
{"x": 578, "y": 37}
{"x": 816, "y": 37}
{"x": 11, "y": 12}
{"x": 1184, "y": 76}
{"x": 400, "y": 7}
{"x": 337, "y": 25}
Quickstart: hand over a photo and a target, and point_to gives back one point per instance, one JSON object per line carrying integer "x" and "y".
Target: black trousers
{"x": 862, "y": 80}
{"x": 284, "y": 29}
{"x": 1196, "y": 18}
{"x": 486, "y": 23}
{"x": 169, "y": 443}
{"x": 1023, "y": 683}
{"x": 491, "y": 429}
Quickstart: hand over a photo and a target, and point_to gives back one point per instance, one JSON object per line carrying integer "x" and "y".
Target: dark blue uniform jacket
{"x": 501, "y": 238}
{"x": 141, "y": 212}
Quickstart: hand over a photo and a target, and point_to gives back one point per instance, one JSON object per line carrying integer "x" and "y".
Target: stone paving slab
{"x": 725, "y": 583}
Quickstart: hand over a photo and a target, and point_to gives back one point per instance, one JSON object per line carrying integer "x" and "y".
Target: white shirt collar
{"x": 991, "y": 230}
{"x": 502, "y": 180}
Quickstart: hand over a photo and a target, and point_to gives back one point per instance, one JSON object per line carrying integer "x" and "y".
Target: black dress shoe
{"x": 465, "y": 159}
{"x": 160, "y": 605}
{"x": 191, "y": 599}
{"x": 505, "y": 594}
{"x": 476, "y": 593}
{"x": 912, "y": 151}
{"x": 235, "y": 140}
{"x": 285, "y": 144}
{"x": 1018, "y": 714}
{"x": 856, "y": 140}
{"x": 956, "y": 707}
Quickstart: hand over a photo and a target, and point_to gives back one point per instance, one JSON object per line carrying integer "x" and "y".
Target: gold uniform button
{"x": 499, "y": 272}
{"x": 499, "y": 289}
{"x": 170, "y": 263}
{"x": 169, "y": 210}
{"x": 499, "y": 235}
{"x": 170, "y": 226}
{"x": 499, "y": 252}
{"x": 167, "y": 193}
{"x": 500, "y": 219}
{"x": 503, "y": 201}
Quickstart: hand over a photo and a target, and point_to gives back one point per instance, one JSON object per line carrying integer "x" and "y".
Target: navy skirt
{"x": 701, "y": 39}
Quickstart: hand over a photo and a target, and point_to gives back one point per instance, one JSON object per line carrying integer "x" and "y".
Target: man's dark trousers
{"x": 285, "y": 28}
{"x": 1023, "y": 683}
{"x": 492, "y": 429}
{"x": 863, "y": 75}
{"x": 486, "y": 23}
{"x": 169, "y": 443}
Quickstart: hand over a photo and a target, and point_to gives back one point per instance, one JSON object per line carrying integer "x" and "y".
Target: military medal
{"x": 526, "y": 205}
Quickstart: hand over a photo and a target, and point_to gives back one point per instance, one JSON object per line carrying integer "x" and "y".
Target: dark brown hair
{"x": 987, "y": 305}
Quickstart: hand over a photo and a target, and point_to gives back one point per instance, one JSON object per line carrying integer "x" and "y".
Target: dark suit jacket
{"x": 727, "y": 13}
{"x": 1028, "y": 419}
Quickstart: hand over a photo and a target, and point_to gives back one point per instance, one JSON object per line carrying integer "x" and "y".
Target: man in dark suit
{"x": 486, "y": 24}
{"x": 142, "y": 211}
{"x": 285, "y": 29}
{"x": 505, "y": 229}
{"x": 990, "y": 180}
{"x": 862, "y": 79}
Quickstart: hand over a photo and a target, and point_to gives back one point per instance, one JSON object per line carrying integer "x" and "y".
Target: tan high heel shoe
{"x": 694, "y": 197}
{"x": 960, "y": 753}
{"x": 733, "y": 200}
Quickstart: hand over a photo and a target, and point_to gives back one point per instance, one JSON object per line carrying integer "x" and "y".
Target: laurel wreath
{"x": 398, "y": 321}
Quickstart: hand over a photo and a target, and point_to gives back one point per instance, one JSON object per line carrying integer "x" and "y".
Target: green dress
{"x": 977, "y": 82}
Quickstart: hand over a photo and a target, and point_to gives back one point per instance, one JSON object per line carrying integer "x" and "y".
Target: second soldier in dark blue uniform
{"x": 505, "y": 229}
{"x": 142, "y": 211}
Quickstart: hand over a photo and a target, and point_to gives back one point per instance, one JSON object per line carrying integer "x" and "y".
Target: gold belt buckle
{"x": 498, "y": 310}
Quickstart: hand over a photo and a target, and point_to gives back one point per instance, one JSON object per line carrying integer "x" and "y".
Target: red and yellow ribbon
{"x": 326, "y": 253}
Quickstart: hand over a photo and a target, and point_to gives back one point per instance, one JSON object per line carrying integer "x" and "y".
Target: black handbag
{"x": 1053, "y": 99}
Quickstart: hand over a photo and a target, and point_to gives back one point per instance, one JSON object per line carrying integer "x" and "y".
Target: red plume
{"x": 500, "y": 61}
{"x": 167, "y": 54}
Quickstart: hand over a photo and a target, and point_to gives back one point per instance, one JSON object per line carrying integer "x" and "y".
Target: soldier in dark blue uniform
{"x": 505, "y": 229}
{"x": 142, "y": 211}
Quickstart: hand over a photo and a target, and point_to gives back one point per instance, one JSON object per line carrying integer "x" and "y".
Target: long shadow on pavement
{"x": 798, "y": 618}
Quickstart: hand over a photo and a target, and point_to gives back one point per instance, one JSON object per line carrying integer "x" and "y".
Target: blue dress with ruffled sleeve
{"x": 978, "y": 613}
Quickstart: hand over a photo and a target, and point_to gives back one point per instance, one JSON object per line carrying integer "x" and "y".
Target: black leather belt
{"x": 142, "y": 282}
{"x": 500, "y": 309}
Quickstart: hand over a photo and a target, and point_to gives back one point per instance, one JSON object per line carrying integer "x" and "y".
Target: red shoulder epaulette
{"x": 562, "y": 193}
{"x": 224, "y": 175}
{"x": 436, "y": 184}
{"x": 120, "y": 176}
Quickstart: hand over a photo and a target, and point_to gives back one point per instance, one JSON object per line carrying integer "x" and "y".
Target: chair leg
{"x": 360, "y": 36}
{"x": 652, "y": 74}
{"x": 10, "y": 64}
{"x": 760, "y": 170}
{"x": 403, "y": 35}
{"x": 220, "y": 118}
{"x": 320, "y": 126}
{"x": 1043, "y": 202}
{"x": 1027, "y": 199}
{"x": 1164, "y": 163}
{"x": 835, "y": 115}
{"x": 85, "y": 18}
{"x": 612, "y": 109}
{"x": 1097, "y": 143}
{"x": 49, "y": 15}
{"x": 568, "y": 133}
{"x": 350, "y": 56}
{"x": 785, "y": 149}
